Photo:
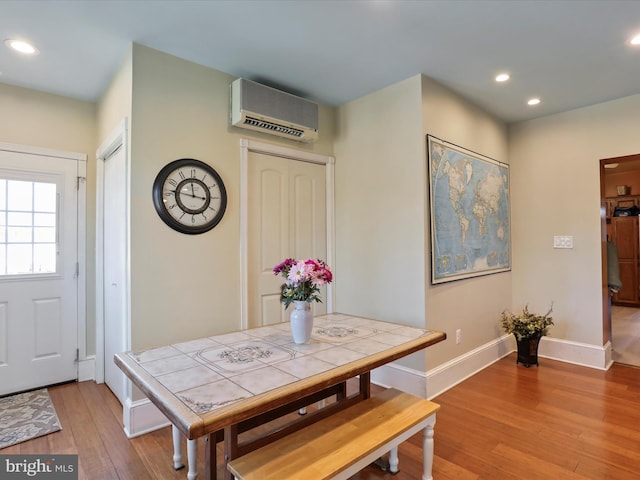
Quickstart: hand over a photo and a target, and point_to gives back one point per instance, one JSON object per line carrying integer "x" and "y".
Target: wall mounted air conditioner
{"x": 265, "y": 109}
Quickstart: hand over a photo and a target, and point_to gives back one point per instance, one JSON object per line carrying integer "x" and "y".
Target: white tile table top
{"x": 211, "y": 373}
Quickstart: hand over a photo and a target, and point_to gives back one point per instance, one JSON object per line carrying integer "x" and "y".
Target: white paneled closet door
{"x": 287, "y": 217}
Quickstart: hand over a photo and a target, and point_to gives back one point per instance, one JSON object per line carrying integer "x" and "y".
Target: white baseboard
{"x": 449, "y": 374}
{"x": 584, "y": 354}
{"x": 142, "y": 417}
{"x": 87, "y": 369}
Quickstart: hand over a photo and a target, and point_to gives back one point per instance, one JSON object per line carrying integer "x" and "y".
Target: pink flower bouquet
{"x": 302, "y": 279}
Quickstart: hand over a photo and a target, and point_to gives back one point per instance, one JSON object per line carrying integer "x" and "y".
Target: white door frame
{"x": 84, "y": 364}
{"x": 117, "y": 139}
{"x": 247, "y": 146}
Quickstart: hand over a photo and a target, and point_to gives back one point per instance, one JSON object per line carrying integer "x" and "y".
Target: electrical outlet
{"x": 458, "y": 336}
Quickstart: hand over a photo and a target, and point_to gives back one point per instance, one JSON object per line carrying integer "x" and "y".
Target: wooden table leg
{"x": 230, "y": 448}
{"x": 210, "y": 464}
{"x": 365, "y": 384}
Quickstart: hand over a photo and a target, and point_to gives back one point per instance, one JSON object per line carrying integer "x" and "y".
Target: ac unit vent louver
{"x": 265, "y": 109}
{"x": 273, "y": 126}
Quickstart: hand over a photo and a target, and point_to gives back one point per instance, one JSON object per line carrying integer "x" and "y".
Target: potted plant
{"x": 528, "y": 328}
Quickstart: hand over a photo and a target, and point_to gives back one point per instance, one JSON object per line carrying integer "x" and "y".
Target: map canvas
{"x": 470, "y": 227}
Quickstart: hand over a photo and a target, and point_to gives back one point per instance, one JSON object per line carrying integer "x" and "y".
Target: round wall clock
{"x": 189, "y": 196}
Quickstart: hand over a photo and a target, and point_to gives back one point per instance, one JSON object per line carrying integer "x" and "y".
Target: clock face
{"x": 189, "y": 196}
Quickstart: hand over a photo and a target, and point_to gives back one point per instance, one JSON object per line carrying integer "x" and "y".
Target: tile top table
{"x": 208, "y": 384}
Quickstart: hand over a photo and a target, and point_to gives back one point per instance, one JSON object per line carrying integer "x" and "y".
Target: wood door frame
{"x": 117, "y": 139}
{"x": 248, "y": 146}
{"x": 84, "y": 370}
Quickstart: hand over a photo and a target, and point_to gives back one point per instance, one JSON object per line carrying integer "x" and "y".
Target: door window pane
{"x": 44, "y": 258}
{"x": 19, "y": 259}
{"x": 28, "y": 227}
{"x": 17, "y": 219}
{"x": 44, "y": 219}
{"x": 20, "y": 235}
{"x": 19, "y": 196}
{"x": 44, "y": 235}
{"x": 44, "y": 197}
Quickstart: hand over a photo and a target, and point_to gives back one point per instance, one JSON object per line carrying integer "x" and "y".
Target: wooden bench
{"x": 339, "y": 446}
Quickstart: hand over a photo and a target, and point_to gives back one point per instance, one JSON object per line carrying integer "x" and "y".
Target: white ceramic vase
{"x": 301, "y": 321}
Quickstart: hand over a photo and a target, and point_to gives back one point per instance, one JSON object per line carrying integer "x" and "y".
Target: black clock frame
{"x": 159, "y": 204}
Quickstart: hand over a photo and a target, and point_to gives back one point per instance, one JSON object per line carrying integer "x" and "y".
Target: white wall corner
{"x": 87, "y": 369}
{"x": 141, "y": 417}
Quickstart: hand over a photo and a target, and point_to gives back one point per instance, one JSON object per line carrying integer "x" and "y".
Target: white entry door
{"x": 287, "y": 217}
{"x": 38, "y": 270}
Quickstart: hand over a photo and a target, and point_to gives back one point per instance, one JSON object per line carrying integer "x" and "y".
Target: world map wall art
{"x": 469, "y": 203}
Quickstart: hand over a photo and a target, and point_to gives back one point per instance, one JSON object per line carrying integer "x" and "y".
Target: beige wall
{"x": 115, "y": 103}
{"x": 60, "y": 123}
{"x": 45, "y": 120}
{"x": 113, "y": 107}
{"x": 471, "y": 305}
{"x": 186, "y": 286}
{"x": 382, "y": 220}
{"x": 379, "y": 196}
{"x": 555, "y": 181}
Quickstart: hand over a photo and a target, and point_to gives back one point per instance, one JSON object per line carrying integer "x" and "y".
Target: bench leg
{"x": 192, "y": 459}
{"x": 177, "y": 448}
{"x": 393, "y": 460}
{"x": 427, "y": 451}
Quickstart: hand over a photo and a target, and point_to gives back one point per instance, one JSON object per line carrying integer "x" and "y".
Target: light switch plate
{"x": 563, "y": 241}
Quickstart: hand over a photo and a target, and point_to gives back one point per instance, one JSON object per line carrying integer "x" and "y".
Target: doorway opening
{"x": 620, "y": 191}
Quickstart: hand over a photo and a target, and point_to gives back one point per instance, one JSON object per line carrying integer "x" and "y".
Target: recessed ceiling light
{"x": 635, "y": 40}
{"x": 503, "y": 77}
{"x": 533, "y": 101}
{"x": 21, "y": 46}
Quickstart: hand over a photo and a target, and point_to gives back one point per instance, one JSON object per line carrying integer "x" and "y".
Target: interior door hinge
{"x": 80, "y": 180}
{"x": 77, "y": 355}
{"x": 77, "y": 269}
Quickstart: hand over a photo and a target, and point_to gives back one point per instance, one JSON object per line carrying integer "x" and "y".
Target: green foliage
{"x": 526, "y": 324}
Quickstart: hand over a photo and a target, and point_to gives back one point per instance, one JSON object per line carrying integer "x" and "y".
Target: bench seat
{"x": 339, "y": 446}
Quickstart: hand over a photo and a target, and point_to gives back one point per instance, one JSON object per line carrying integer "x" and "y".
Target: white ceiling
{"x": 570, "y": 53}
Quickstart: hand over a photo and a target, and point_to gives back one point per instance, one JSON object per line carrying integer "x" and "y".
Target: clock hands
{"x": 192, "y": 195}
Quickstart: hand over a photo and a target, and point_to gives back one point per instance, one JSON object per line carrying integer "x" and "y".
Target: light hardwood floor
{"x": 626, "y": 335}
{"x": 557, "y": 421}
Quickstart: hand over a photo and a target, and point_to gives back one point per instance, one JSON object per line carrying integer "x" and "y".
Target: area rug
{"x": 25, "y": 416}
